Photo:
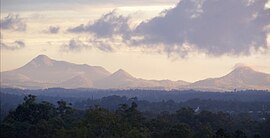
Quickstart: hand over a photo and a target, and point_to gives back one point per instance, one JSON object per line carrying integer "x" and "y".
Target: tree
{"x": 179, "y": 131}
{"x": 28, "y": 119}
{"x": 185, "y": 115}
{"x": 221, "y": 133}
{"x": 204, "y": 131}
{"x": 239, "y": 134}
{"x": 32, "y": 119}
{"x": 100, "y": 123}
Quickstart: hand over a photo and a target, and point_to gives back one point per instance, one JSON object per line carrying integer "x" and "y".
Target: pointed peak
{"x": 42, "y": 60}
{"x": 243, "y": 68}
{"x": 42, "y": 57}
{"x": 122, "y": 73}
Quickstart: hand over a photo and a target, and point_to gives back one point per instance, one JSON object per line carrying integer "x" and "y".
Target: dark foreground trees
{"x": 45, "y": 120}
{"x": 31, "y": 119}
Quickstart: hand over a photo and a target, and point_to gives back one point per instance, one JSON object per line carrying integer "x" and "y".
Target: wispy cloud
{"x": 74, "y": 45}
{"x": 108, "y": 25}
{"x": 52, "y": 30}
{"x": 37, "y": 5}
{"x": 77, "y": 45}
{"x": 12, "y": 46}
{"x": 13, "y": 22}
{"x": 102, "y": 44}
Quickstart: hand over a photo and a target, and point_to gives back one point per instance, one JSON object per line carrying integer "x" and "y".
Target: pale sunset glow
{"x": 135, "y": 69}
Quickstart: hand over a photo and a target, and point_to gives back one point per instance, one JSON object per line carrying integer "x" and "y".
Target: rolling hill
{"x": 44, "y": 72}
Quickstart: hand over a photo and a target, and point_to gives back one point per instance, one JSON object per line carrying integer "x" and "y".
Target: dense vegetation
{"x": 43, "y": 119}
{"x": 149, "y": 95}
{"x": 254, "y": 108}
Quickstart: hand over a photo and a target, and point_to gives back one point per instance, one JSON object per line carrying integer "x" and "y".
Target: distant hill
{"x": 240, "y": 78}
{"x": 44, "y": 72}
{"x": 121, "y": 79}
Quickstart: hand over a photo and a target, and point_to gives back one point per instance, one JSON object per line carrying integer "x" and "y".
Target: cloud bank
{"x": 12, "y": 46}
{"x": 214, "y": 27}
{"x": 52, "y": 30}
{"x": 76, "y": 45}
{"x": 13, "y": 22}
{"x": 108, "y": 25}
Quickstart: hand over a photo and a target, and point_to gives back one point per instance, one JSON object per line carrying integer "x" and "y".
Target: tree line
{"x": 47, "y": 120}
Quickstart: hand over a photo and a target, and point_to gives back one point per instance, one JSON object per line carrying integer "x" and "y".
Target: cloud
{"x": 105, "y": 47}
{"x": 13, "y": 22}
{"x": 108, "y": 25}
{"x": 215, "y": 27}
{"x": 41, "y": 5}
{"x": 74, "y": 45}
{"x": 212, "y": 27}
{"x": 102, "y": 44}
{"x": 52, "y": 30}
{"x": 16, "y": 45}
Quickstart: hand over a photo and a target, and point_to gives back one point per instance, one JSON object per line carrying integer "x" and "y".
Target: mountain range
{"x": 44, "y": 72}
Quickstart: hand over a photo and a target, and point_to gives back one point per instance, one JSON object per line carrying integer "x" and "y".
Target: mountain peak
{"x": 243, "y": 69}
{"x": 242, "y": 66}
{"x": 122, "y": 73}
{"x": 241, "y": 72}
{"x": 42, "y": 60}
{"x": 42, "y": 56}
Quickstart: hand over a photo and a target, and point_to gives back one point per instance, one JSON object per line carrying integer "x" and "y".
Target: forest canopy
{"x": 34, "y": 118}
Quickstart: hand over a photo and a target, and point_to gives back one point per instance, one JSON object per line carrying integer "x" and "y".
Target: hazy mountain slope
{"x": 121, "y": 79}
{"x": 44, "y": 70}
{"x": 80, "y": 81}
{"x": 240, "y": 78}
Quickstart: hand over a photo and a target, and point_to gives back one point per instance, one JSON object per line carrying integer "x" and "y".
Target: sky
{"x": 156, "y": 39}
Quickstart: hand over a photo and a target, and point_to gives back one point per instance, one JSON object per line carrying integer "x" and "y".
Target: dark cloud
{"x": 108, "y": 25}
{"x": 13, "y": 22}
{"x": 102, "y": 45}
{"x": 52, "y": 30}
{"x": 105, "y": 47}
{"x": 74, "y": 45}
{"x": 216, "y": 27}
{"x": 12, "y": 46}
